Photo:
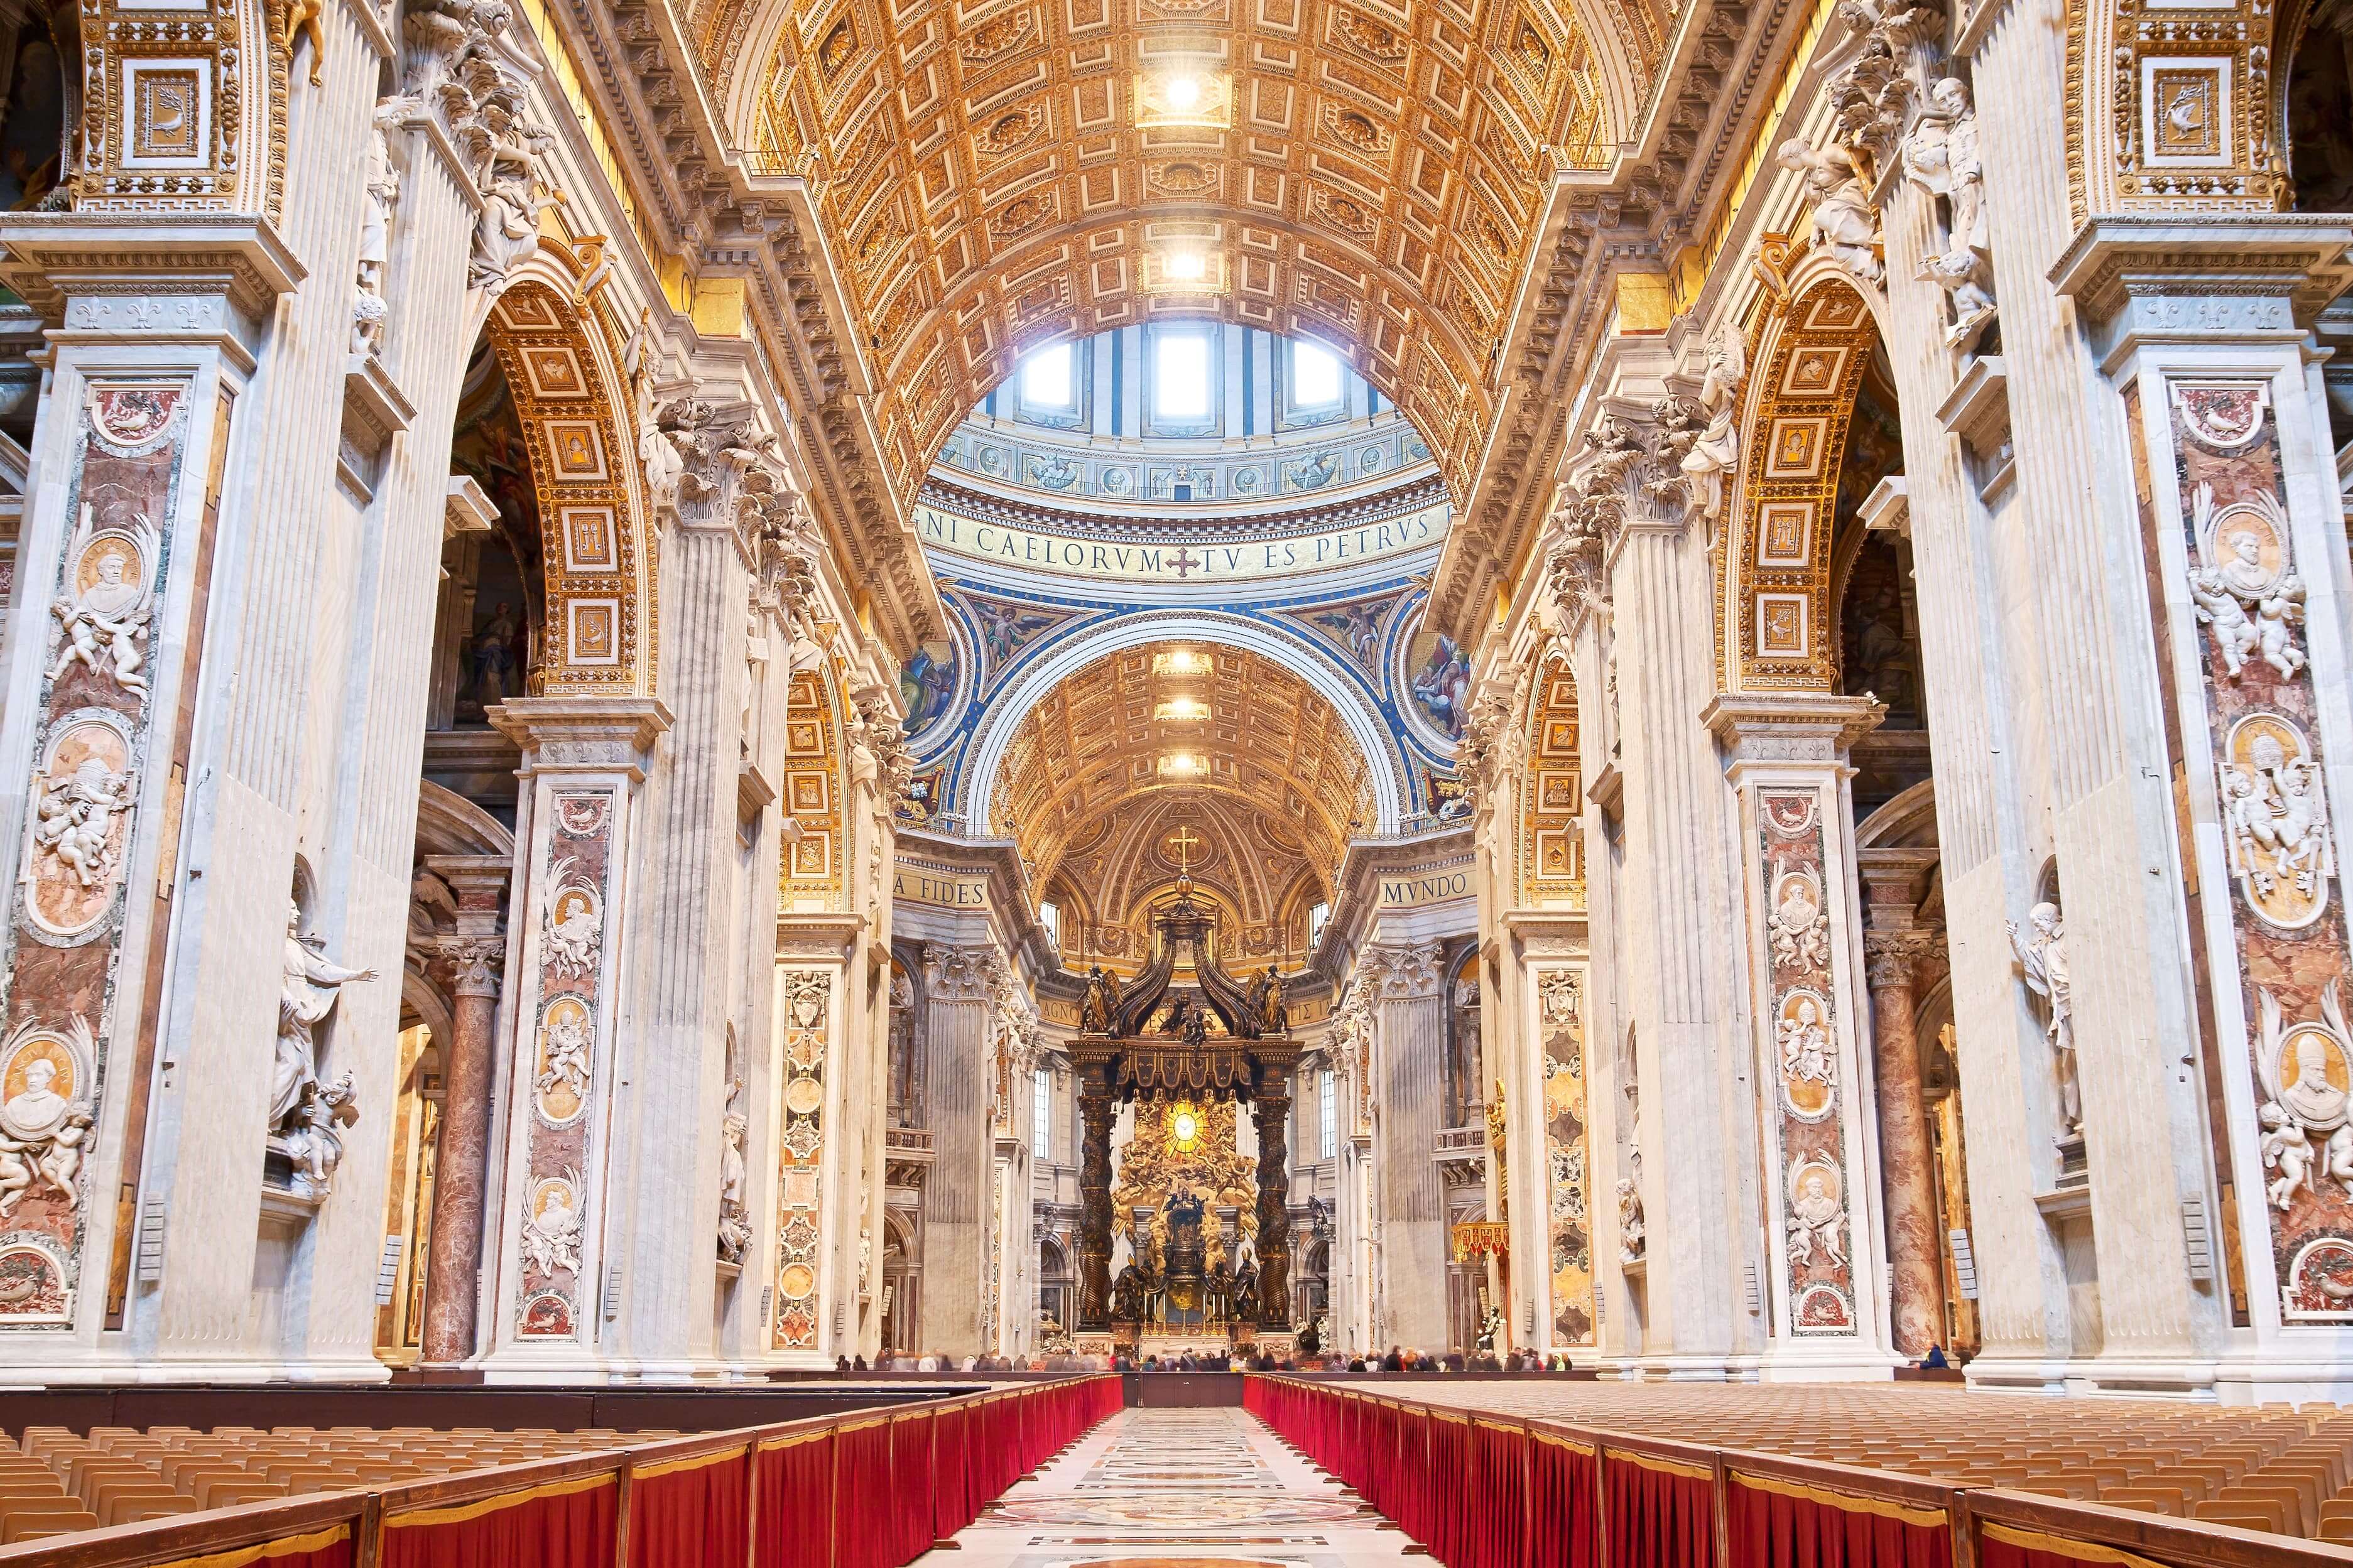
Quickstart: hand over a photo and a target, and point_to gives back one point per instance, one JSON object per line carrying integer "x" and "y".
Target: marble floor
{"x": 1176, "y": 1489}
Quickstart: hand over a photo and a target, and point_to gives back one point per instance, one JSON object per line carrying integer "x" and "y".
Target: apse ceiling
{"x": 1230, "y": 732}
{"x": 997, "y": 176}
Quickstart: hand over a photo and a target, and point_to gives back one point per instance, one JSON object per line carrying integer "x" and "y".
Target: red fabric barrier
{"x": 1413, "y": 1478}
{"x": 330, "y": 1546}
{"x": 1563, "y": 1517}
{"x": 687, "y": 1510}
{"x": 912, "y": 1483}
{"x": 795, "y": 1484}
{"x": 1659, "y": 1513}
{"x": 952, "y": 1503}
{"x": 1776, "y": 1523}
{"x": 563, "y": 1524}
{"x": 2001, "y": 1546}
{"x": 864, "y": 1510}
{"x": 1444, "y": 1496}
{"x": 1495, "y": 1528}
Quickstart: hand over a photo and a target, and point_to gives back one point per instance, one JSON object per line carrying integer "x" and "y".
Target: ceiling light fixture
{"x": 1186, "y": 266}
{"x": 1183, "y": 93}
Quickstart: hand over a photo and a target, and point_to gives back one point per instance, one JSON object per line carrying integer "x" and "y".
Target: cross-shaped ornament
{"x": 1183, "y": 842}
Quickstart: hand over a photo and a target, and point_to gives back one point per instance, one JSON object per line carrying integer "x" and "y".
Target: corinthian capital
{"x": 1895, "y": 958}
{"x": 1404, "y": 972}
{"x": 474, "y": 965}
{"x": 958, "y": 973}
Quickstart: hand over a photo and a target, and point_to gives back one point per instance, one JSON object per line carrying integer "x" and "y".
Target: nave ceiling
{"x": 1096, "y": 763}
{"x": 993, "y": 177}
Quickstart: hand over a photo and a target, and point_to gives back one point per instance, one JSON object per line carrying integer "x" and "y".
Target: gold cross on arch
{"x": 1184, "y": 841}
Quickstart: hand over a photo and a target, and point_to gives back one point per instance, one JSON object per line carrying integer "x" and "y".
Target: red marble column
{"x": 1905, "y": 1155}
{"x": 453, "y": 1262}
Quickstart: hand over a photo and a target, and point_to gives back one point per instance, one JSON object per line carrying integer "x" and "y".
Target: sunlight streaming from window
{"x": 1316, "y": 376}
{"x": 1180, "y": 376}
{"x": 1046, "y": 377}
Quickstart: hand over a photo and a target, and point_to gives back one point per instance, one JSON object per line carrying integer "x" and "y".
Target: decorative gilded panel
{"x": 1552, "y": 810}
{"x": 599, "y": 602}
{"x": 1777, "y": 591}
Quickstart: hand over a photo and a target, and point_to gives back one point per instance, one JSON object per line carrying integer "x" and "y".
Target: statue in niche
{"x": 2307, "y": 1120}
{"x": 307, "y": 995}
{"x": 493, "y": 655}
{"x": 1099, "y": 1008}
{"x": 314, "y": 1145}
{"x": 1845, "y": 223}
{"x": 1491, "y": 1331}
{"x": 2042, "y": 960}
{"x": 108, "y": 603}
{"x": 734, "y": 1220}
{"x": 1630, "y": 1239}
{"x": 1718, "y": 450}
{"x": 1940, "y": 156}
{"x": 380, "y": 183}
{"x": 2245, "y": 584}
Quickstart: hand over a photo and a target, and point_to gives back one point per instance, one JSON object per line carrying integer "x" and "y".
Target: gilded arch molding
{"x": 1778, "y": 632}
{"x": 560, "y": 366}
{"x": 1552, "y": 795}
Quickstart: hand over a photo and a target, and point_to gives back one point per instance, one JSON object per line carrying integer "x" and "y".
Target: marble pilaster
{"x": 2224, "y": 478}
{"x": 667, "y": 1128}
{"x": 1406, "y": 992}
{"x": 585, "y": 761}
{"x": 1786, "y": 758}
{"x": 958, "y": 1213}
{"x": 130, "y": 462}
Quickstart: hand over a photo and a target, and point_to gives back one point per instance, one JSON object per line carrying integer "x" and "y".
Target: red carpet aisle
{"x": 1176, "y": 1488}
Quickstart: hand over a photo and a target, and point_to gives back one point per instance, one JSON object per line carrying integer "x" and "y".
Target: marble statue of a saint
{"x": 307, "y": 996}
{"x": 2043, "y": 959}
{"x": 1845, "y": 223}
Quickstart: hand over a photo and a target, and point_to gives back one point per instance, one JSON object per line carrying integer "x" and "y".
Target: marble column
{"x": 453, "y": 1282}
{"x": 1894, "y": 956}
{"x": 958, "y": 1199}
{"x": 1271, "y": 1109}
{"x": 1097, "y": 1111}
{"x": 475, "y": 952}
{"x": 1786, "y": 757}
{"x": 1404, "y": 988}
{"x": 583, "y": 762}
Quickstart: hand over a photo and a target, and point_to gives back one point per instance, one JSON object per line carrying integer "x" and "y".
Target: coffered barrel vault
{"x": 997, "y": 177}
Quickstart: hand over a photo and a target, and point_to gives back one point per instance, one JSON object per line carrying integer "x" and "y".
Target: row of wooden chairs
{"x": 2286, "y": 1470}
{"x": 56, "y": 1482}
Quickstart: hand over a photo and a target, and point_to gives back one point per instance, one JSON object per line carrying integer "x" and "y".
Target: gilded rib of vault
{"x": 992, "y": 176}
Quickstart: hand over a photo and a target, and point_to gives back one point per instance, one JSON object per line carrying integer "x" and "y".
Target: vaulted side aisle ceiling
{"x": 994, "y": 176}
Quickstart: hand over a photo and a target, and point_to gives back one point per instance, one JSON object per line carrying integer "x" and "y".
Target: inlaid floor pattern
{"x": 1176, "y": 1489}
